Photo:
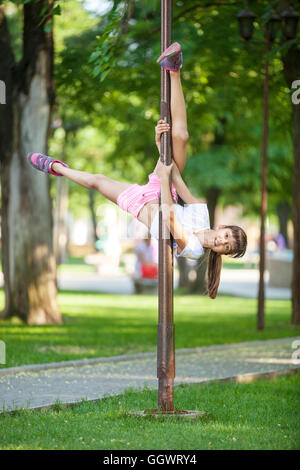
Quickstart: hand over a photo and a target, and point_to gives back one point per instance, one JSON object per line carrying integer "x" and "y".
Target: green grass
{"x": 237, "y": 265}
{"x": 106, "y": 325}
{"x": 259, "y": 415}
{"x": 75, "y": 265}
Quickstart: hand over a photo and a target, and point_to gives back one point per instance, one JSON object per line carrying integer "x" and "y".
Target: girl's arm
{"x": 179, "y": 184}
{"x": 182, "y": 188}
{"x": 167, "y": 206}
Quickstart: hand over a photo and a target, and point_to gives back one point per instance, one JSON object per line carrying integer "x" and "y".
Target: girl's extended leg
{"x": 109, "y": 187}
{"x": 179, "y": 121}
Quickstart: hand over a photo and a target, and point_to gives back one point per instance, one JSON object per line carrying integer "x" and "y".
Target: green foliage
{"x": 15, "y": 25}
{"x": 47, "y": 14}
{"x": 102, "y": 57}
{"x": 222, "y": 80}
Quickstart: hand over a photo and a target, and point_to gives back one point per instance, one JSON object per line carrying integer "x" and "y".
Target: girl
{"x": 189, "y": 225}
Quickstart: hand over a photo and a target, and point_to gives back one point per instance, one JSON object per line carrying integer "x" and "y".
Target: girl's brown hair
{"x": 215, "y": 259}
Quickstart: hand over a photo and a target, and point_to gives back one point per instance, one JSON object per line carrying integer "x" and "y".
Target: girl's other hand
{"x": 162, "y": 126}
{"x": 162, "y": 170}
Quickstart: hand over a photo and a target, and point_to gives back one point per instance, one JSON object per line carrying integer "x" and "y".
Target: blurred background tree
{"x": 26, "y": 221}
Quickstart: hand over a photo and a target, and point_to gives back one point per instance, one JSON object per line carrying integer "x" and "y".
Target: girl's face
{"x": 223, "y": 241}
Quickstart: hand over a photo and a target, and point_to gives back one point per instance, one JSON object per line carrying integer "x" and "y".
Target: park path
{"x": 237, "y": 282}
{"x": 97, "y": 378}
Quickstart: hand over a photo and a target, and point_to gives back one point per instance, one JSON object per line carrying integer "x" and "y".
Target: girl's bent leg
{"x": 179, "y": 121}
{"x": 109, "y": 187}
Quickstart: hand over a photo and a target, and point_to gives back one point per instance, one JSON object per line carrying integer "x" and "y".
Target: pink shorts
{"x": 134, "y": 198}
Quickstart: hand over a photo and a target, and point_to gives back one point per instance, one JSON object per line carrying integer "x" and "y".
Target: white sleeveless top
{"x": 193, "y": 218}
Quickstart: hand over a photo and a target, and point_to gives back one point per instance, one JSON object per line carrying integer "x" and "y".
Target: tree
{"x": 291, "y": 68}
{"x": 28, "y": 261}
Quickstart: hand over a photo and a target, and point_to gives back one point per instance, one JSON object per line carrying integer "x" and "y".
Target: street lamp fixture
{"x": 290, "y": 22}
{"x": 246, "y": 19}
{"x": 272, "y": 25}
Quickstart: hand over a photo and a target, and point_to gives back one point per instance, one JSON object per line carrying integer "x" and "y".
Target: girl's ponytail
{"x": 213, "y": 273}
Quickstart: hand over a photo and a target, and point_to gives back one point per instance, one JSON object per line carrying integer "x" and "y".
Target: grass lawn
{"x": 259, "y": 415}
{"x": 105, "y": 325}
{"x": 237, "y": 264}
{"x": 74, "y": 265}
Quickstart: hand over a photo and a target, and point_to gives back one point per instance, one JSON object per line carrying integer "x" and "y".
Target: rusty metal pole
{"x": 263, "y": 209}
{"x": 165, "y": 329}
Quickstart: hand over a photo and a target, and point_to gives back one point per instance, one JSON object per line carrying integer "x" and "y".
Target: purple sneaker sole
{"x": 172, "y": 50}
{"x": 172, "y": 64}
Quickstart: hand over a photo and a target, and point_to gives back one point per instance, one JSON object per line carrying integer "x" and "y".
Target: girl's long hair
{"x": 213, "y": 273}
{"x": 215, "y": 260}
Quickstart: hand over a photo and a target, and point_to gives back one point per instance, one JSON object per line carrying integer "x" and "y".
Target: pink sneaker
{"x": 171, "y": 58}
{"x": 42, "y": 162}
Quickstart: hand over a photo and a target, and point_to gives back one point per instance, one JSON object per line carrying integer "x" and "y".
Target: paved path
{"x": 110, "y": 376}
{"x": 238, "y": 282}
{"x": 244, "y": 283}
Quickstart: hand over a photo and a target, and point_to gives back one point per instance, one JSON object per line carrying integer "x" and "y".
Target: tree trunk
{"x": 212, "y": 195}
{"x": 296, "y": 216}
{"x": 93, "y": 212}
{"x": 283, "y": 209}
{"x": 183, "y": 272}
{"x": 60, "y": 232}
{"x": 198, "y": 284}
{"x": 60, "y": 220}
{"x": 28, "y": 262}
{"x": 291, "y": 69}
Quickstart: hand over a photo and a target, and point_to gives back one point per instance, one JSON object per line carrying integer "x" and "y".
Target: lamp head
{"x": 272, "y": 24}
{"x": 290, "y": 22}
{"x": 246, "y": 19}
